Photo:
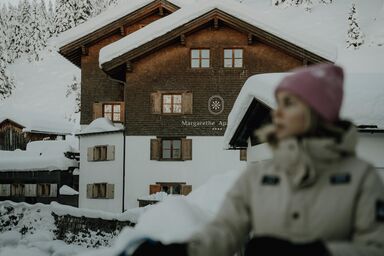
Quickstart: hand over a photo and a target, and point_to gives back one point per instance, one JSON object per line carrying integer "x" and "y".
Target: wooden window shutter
{"x": 186, "y": 149}
{"x": 30, "y": 190}
{"x": 110, "y": 191}
{"x": 187, "y": 102}
{"x": 53, "y": 190}
{"x": 5, "y": 189}
{"x": 155, "y": 149}
{"x": 243, "y": 155}
{"x": 97, "y": 110}
{"x": 156, "y": 103}
{"x": 90, "y": 155}
{"x": 154, "y": 188}
{"x": 122, "y": 112}
{"x": 110, "y": 152}
{"x": 186, "y": 189}
{"x": 89, "y": 190}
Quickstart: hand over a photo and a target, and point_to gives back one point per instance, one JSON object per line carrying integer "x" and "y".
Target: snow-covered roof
{"x": 68, "y": 191}
{"x": 39, "y": 156}
{"x": 363, "y": 99}
{"x": 184, "y": 15}
{"x": 123, "y": 8}
{"x": 101, "y": 125}
{"x": 35, "y": 122}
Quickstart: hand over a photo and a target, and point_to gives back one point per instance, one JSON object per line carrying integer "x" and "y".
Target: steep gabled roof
{"x": 231, "y": 13}
{"x": 70, "y": 42}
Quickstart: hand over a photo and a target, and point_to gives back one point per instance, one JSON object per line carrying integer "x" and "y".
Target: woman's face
{"x": 292, "y": 116}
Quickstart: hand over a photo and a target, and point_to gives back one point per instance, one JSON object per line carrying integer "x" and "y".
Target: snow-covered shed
{"x": 363, "y": 104}
{"x": 36, "y": 174}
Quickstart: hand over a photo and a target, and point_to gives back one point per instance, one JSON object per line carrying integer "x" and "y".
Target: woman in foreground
{"x": 314, "y": 198}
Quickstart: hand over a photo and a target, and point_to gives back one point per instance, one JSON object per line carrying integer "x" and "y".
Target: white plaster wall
{"x": 371, "y": 148}
{"x": 209, "y": 158}
{"x": 103, "y": 171}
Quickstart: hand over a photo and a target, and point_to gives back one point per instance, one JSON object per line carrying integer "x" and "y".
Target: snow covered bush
{"x": 355, "y": 37}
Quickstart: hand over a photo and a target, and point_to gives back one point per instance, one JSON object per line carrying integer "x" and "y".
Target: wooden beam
{"x": 216, "y": 23}
{"x": 250, "y": 38}
{"x": 122, "y": 31}
{"x": 161, "y": 11}
{"x": 129, "y": 66}
{"x": 182, "y": 39}
{"x": 84, "y": 50}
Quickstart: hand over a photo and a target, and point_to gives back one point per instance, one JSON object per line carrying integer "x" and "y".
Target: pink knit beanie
{"x": 320, "y": 86}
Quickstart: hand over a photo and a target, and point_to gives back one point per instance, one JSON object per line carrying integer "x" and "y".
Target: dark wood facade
{"x": 163, "y": 66}
{"x": 12, "y": 136}
{"x": 57, "y": 178}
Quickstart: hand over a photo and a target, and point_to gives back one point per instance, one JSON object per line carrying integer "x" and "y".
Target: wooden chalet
{"x": 171, "y": 74}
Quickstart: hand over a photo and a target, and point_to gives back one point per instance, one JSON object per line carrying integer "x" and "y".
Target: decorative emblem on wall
{"x": 216, "y": 105}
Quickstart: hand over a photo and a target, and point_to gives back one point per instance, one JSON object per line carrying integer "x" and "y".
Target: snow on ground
{"x": 30, "y": 229}
{"x": 39, "y": 155}
{"x": 177, "y": 217}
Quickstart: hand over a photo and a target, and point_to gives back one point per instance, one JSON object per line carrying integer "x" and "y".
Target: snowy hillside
{"x": 40, "y": 91}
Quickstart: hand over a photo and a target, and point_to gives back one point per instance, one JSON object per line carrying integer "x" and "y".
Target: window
{"x": 101, "y": 153}
{"x": 243, "y": 154}
{"x": 43, "y": 190}
{"x": 17, "y": 190}
{"x": 112, "y": 111}
{"x": 200, "y": 58}
{"x": 174, "y": 188}
{"x": 100, "y": 190}
{"x": 5, "y": 189}
{"x": 233, "y": 58}
{"x": 172, "y": 103}
{"x": 171, "y": 149}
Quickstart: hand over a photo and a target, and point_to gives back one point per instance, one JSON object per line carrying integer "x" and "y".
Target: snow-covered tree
{"x": 74, "y": 89}
{"x": 355, "y": 37}
{"x": 6, "y": 81}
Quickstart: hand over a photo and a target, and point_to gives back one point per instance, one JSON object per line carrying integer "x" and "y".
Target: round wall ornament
{"x": 216, "y": 105}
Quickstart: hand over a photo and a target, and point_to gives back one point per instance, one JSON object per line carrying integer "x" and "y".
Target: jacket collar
{"x": 302, "y": 158}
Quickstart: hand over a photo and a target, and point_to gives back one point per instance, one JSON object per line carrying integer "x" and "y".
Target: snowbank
{"x": 39, "y": 156}
{"x": 175, "y": 219}
{"x": 161, "y": 27}
{"x": 68, "y": 191}
{"x": 101, "y": 125}
{"x": 159, "y": 196}
{"x": 363, "y": 99}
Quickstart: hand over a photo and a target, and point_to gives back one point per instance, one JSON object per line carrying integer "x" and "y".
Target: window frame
{"x": 172, "y": 94}
{"x": 97, "y": 153}
{"x": 200, "y": 58}
{"x": 172, "y": 140}
{"x": 113, "y": 105}
{"x": 43, "y": 185}
{"x": 19, "y": 186}
{"x": 98, "y": 189}
{"x": 233, "y": 58}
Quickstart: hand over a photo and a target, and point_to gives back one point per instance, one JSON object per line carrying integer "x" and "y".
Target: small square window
{"x": 172, "y": 103}
{"x": 200, "y": 58}
{"x": 171, "y": 149}
{"x": 233, "y": 58}
{"x": 112, "y": 111}
{"x": 100, "y": 153}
